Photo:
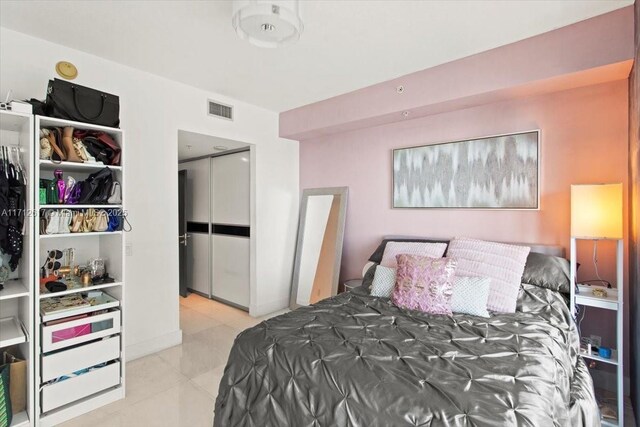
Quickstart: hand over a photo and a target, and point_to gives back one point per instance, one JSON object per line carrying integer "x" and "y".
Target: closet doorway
{"x": 214, "y": 189}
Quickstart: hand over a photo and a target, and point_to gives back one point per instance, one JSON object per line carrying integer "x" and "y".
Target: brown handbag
{"x": 100, "y": 145}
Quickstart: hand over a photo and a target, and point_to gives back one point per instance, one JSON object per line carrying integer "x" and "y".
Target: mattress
{"x": 357, "y": 360}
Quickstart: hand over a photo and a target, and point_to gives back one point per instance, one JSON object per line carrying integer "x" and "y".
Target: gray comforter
{"x": 357, "y": 360}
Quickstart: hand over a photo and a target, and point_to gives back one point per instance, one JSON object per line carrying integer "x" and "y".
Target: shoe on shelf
{"x": 55, "y": 136}
{"x": 67, "y": 144}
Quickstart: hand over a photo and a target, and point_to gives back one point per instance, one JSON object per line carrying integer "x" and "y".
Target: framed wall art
{"x": 494, "y": 172}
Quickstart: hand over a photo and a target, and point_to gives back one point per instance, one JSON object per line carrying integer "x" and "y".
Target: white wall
{"x": 152, "y": 111}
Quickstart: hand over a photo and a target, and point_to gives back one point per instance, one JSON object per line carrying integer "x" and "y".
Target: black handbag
{"x": 96, "y": 188}
{"x": 99, "y": 151}
{"x": 70, "y": 101}
{"x": 101, "y": 195}
{"x": 85, "y": 190}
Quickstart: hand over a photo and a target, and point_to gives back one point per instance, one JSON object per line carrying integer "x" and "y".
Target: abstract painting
{"x": 497, "y": 172}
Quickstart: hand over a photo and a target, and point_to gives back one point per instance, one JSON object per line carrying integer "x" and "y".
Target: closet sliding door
{"x": 198, "y": 220}
{"x": 230, "y": 207}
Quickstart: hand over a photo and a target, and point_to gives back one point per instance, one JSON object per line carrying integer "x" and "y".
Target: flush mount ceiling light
{"x": 267, "y": 23}
{"x": 220, "y": 147}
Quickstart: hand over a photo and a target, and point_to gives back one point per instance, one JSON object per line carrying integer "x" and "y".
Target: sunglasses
{"x": 56, "y": 254}
{"x": 51, "y": 263}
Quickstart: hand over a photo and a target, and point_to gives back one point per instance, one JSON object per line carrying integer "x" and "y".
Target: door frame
{"x": 251, "y": 147}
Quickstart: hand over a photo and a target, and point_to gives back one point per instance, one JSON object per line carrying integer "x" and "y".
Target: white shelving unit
{"x": 613, "y": 301}
{"x": 17, "y": 299}
{"x": 14, "y": 289}
{"x": 63, "y": 400}
{"x": 48, "y": 165}
{"x": 12, "y": 332}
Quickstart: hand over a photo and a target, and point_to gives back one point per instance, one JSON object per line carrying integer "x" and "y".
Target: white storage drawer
{"x": 66, "y": 334}
{"x": 72, "y": 389}
{"x": 72, "y": 360}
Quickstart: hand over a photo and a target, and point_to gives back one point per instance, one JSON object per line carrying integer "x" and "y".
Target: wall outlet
{"x": 128, "y": 249}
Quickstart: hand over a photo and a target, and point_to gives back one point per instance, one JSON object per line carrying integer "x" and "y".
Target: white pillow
{"x": 502, "y": 263}
{"x": 470, "y": 295}
{"x": 433, "y": 250}
{"x": 384, "y": 281}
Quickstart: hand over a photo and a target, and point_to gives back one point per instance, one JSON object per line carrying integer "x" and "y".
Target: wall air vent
{"x": 219, "y": 110}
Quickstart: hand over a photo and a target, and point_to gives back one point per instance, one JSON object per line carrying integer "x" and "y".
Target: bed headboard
{"x": 554, "y": 250}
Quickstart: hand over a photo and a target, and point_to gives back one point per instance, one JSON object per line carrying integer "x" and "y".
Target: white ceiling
{"x": 191, "y": 144}
{"x": 346, "y": 45}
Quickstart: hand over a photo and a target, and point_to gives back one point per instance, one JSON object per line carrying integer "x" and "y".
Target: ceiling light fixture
{"x": 220, "y": 147}
{"x": 267, "y": 23}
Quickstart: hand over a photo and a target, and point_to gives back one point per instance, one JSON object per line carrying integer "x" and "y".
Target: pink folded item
{"x": 69, "y": 333}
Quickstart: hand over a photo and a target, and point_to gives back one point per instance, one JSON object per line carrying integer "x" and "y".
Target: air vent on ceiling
{"x": 220, "y": 110}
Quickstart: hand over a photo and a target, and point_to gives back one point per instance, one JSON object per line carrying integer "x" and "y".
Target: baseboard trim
{"x": 154, "y": 345}
{"x": 268, "y": 307}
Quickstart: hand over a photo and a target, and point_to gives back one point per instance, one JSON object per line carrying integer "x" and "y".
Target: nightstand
{"x": 349, "y": 285}
{"x": 584, "y": 297}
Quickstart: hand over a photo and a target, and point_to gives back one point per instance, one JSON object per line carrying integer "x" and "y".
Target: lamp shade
{"x": 596, "y": 211}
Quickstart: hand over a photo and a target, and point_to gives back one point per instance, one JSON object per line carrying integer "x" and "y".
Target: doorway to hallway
{"x": 214, "y": 182}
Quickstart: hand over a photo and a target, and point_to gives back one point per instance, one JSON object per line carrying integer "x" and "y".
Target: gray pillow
{"x": 377, "y": 255}
{"x": 547, "y": 271}
{"x": 367, "y": 280}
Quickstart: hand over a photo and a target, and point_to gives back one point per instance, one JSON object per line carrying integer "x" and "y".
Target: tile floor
{"x": 178, "y": 386}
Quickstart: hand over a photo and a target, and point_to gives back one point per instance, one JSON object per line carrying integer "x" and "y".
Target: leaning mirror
{"x": 319, "y": 247}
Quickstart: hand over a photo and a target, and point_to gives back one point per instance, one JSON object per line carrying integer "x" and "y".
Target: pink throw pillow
{"x": 424, "y": 283}
{"x": 502, "y": 263}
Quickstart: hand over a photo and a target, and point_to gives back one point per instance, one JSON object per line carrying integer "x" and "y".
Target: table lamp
{"x": 596, "y": 211}
{"x": 596, "y": 214}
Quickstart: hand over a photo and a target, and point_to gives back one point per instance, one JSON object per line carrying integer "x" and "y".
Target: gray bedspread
{"x": 357, "y": 360}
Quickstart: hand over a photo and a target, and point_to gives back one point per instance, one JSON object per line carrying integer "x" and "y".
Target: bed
{"x": 358, "y": 360}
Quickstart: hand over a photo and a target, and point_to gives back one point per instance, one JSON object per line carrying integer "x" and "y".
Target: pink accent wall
{"x": 584, "y": 139}
{"x": 585, "y": 53}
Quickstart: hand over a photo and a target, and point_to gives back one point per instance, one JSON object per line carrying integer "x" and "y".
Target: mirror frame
{"x": 343, "y": 192}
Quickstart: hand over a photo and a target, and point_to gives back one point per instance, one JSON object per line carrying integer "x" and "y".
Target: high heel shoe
{"x": 67, "y": 144}
{"x": 57, "y": 154}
